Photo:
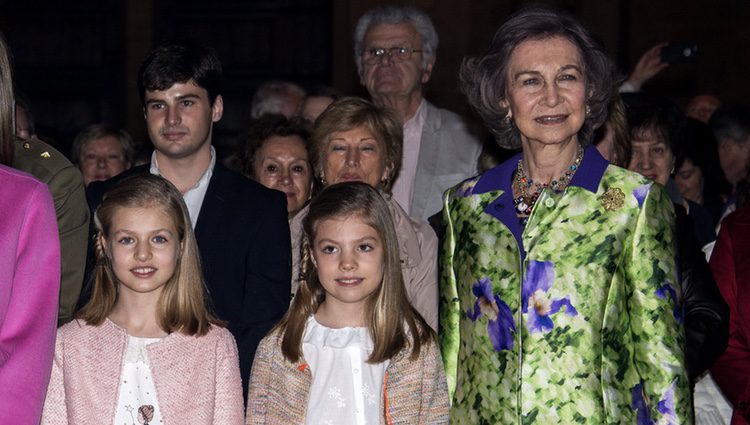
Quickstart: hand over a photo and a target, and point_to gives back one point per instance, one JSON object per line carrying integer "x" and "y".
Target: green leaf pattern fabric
{"x": 610, "y": 332}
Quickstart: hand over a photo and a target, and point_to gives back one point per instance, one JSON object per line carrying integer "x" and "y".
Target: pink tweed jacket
{"x": 29, "y": 286}
{"x": 197, "y": 379}
{"x": 415, "y": 391}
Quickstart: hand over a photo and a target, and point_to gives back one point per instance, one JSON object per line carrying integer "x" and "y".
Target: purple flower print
{"x": 665, "y": 406}
{"x": 500, "y": 323}
{"x": 667, "y": 291}
{"x": 466, "y": 189}
{"x": 535, "y": 301}
{"x": 640, "y": 193}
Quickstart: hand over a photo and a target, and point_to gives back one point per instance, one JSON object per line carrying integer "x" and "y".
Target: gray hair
{"x": 731, "y": 122}
{"x": 272, "y": 96}
{"x": 396, "y": 14}
{"x": 484, "y": 79}
{"x": 98, "y": 131}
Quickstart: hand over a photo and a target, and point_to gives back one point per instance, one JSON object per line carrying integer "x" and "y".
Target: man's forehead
{"x": 188, "y": 88}
{"x": 385, "y": 32}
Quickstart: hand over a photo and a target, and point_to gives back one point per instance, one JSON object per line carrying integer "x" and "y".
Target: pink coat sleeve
{"x": 29, "y": 286}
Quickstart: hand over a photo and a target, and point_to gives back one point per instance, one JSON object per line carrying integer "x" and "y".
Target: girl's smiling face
{"x": 349, "y": 257}
{"x": 143, "y": 246}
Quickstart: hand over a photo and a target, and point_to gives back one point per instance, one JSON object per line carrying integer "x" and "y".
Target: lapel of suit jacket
{"x": 213, "y": 203}
{"x": 427, "y": 161}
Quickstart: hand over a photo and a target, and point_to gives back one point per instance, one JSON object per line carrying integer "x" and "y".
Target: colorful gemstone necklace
{"x": 522, "y": 184}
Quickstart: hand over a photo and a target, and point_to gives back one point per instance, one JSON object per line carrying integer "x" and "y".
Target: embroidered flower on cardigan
{"x": 665, "y": 406}
{"x": 500, "y": 323}
{"x": 640, "y": 193}
{"x": 535, "y": 301}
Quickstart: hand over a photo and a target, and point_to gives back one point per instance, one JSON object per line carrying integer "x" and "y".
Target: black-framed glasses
{"x": 374, "y": 55}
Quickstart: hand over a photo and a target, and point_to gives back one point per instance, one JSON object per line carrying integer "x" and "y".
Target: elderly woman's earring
{"x": 588, "y": 110}
{"x": 506, "y": 120}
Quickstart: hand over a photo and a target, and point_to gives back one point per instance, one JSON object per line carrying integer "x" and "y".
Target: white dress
{"x": 345, "y": 388}
{"x": 137, "y": 404}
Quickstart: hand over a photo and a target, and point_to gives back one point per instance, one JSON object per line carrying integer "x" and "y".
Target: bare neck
{"x": 184, "y": 173}
{"x": 404, "y": 106}
{"x": 340, "y": 315}
{"x": 544, "y": 163}
{"x": 136, "y": 313}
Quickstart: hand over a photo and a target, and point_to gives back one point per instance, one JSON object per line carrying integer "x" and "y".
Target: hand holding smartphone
{"x": 679, "y": 52}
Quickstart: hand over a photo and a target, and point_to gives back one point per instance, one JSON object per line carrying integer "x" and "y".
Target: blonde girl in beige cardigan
{"x": 351, "y": 349}
{"x": 145, "y": 350}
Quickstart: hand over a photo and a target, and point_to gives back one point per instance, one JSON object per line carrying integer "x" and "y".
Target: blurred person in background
{"x": 317, "y": 100}
{"x": 101, "y": 152}
{"x": 276, "y": 97}
{"x": 275, "y": 155}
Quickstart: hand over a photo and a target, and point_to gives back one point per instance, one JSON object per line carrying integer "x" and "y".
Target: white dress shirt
{"x": 194, "y": 196}
{"x": 403, "y": 187}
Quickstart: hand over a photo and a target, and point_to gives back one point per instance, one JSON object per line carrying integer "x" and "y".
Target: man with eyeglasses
{"x": 395, "y": 50}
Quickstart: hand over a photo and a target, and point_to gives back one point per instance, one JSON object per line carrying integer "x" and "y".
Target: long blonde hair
{"x": 392, "y": 322}
{"x": 182, "y": 303}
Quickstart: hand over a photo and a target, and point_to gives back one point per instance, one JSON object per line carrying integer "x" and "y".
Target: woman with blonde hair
{"x": 354, "y": 140}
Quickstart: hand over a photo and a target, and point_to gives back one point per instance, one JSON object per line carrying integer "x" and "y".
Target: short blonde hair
{"x": 352, "y": 112}
{"x": 182, "y": 304}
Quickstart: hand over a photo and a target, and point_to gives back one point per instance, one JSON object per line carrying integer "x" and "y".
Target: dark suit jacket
{"x": 244, "y": 243}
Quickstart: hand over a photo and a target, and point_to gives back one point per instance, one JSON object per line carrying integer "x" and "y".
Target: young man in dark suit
{"x": 241, "y": 227}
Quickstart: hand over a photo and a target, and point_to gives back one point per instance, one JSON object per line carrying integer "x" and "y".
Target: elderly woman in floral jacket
{"x": 559, "y": 297}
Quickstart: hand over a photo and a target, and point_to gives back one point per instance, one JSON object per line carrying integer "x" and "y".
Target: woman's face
{"x": 282, "y": 163}
{"x": 689, "y": 179}
{"x": 652, "y": 157}
{"x": 102, "y": 159}
{"x": 354, "y": 155}
{"x": 546, "y": 90}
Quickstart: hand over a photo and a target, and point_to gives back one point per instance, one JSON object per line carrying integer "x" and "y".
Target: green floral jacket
{"x": 574, "y": 318}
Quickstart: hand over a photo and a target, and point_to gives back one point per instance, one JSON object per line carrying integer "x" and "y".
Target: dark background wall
{"x": 77, "y": 61}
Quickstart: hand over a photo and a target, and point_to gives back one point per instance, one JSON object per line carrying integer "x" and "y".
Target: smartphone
{"x": 679, "y": 52}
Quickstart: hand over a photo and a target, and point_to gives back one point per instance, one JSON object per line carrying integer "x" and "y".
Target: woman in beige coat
{"x": 354, "y": 140}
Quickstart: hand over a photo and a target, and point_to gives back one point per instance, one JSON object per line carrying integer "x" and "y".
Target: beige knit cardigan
{"x": 197, "y": 379}
{"x": 414, "y": 392}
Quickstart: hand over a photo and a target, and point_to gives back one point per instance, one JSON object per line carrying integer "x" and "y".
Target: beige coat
{"x": 414, "y": 391}
{"x": 418, "y": 252}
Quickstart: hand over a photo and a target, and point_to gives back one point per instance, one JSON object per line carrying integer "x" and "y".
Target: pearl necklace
{"x": 524, "y": 203}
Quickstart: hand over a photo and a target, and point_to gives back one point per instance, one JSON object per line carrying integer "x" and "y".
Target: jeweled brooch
{"x": 613, "y": 199}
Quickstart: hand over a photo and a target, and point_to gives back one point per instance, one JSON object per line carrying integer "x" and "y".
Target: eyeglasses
{"x": 397, "y": 54}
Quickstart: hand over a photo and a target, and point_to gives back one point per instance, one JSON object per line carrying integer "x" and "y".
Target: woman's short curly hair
{"x": 349, "y": 113}
{"x": 484, "y": 79}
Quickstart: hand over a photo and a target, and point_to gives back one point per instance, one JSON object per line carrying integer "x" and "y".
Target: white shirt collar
{"x": 194, "y": 196}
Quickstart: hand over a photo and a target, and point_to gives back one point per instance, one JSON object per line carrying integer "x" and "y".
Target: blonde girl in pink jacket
{"x": 145, "y": 350}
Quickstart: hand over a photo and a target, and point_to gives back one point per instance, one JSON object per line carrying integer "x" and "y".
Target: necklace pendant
{"x": 522, "y": 207}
